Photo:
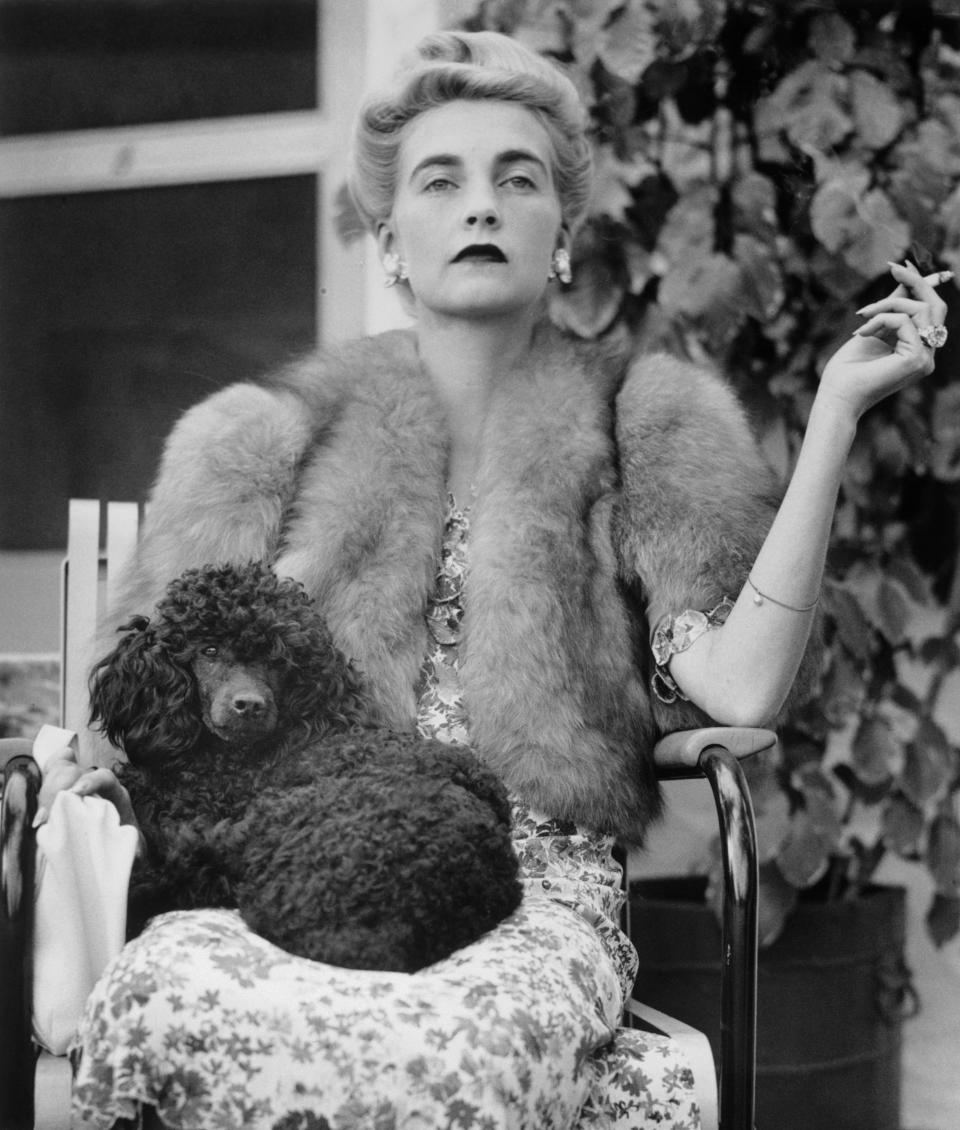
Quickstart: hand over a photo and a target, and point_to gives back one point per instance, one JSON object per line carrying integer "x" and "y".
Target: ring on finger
{"x": 933, "y": 336}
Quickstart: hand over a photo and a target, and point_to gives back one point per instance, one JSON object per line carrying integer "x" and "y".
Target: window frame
{"x": 243, "y": 147}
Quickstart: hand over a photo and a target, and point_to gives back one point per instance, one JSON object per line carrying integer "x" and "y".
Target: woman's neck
{"x": 466, "y": 359}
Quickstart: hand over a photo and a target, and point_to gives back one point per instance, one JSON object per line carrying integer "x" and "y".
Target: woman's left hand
{"x": 887, "y": 353}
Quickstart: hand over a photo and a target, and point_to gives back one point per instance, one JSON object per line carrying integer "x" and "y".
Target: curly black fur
{"x": 367, "y": 849}
{"x": 336, "y": 840}
{"x": 145, "y": 693}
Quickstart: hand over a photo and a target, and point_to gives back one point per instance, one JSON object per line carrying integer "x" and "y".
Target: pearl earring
{"x": 394, "y": 268}
{"x": 560, "y": 266}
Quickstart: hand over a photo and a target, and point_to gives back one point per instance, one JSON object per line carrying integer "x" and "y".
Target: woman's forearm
{"x": 742, "y": 673}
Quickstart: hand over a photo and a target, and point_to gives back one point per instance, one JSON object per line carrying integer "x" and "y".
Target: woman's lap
{"x": 217, "y": 1028}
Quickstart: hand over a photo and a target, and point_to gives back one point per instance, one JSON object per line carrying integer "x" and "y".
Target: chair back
{"x": 99, "y": 543}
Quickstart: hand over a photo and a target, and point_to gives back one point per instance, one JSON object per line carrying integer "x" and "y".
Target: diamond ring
{"x": 933, "y": 336}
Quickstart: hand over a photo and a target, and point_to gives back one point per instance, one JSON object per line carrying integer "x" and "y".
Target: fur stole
{"x": 607, "y": 494}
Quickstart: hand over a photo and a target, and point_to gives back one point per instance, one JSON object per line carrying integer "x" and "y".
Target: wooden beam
{"x": 214, "y": 149}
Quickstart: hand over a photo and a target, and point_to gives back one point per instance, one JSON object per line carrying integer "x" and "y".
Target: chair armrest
{"x": 678, "y": 755}
{"x": 696, "y": 1048}
{"x": 715, "y": 753}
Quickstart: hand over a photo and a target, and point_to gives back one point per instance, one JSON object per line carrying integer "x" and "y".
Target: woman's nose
{"x": 483, "y": 216}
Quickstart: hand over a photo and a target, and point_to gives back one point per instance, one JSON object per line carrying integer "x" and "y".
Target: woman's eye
{"x": 520, "y": 180}
{"x": 210, "y": 651}
{"x": 438, "y": 184}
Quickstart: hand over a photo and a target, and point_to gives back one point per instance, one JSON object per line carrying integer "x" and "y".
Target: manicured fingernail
{"x": 41, "y": 817}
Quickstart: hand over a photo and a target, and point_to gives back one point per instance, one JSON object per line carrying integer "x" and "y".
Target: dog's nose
{"x": 249, "y": 705}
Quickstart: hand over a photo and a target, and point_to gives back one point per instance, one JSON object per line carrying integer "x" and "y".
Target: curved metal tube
{"x": 21, "y": 783}
{"x": 738, "y": 1007}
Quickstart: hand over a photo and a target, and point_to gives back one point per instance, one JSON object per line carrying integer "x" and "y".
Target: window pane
{"x": 118, "y": 310}
{"x": 76, "y": 64}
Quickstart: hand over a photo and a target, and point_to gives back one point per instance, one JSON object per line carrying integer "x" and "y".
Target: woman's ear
{"x": 386, "y": 240}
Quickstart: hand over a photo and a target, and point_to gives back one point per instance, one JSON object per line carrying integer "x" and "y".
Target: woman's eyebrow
{"x": 510, "y": 156}
{"x": 438, "y": 160}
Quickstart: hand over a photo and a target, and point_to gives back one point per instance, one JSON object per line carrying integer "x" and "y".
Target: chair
{"x": 714, "y": 753}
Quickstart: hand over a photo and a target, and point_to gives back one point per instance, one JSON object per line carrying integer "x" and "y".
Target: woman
{"x": 492, "y": 518}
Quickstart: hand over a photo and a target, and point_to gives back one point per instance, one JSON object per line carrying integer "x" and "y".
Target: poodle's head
{"x": 235, "y": 657}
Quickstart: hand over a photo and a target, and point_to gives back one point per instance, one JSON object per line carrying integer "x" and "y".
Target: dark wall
{"x": 119, "y": 309}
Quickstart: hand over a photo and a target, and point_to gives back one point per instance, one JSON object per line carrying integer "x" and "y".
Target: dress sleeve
{"x": 697, "y": 499}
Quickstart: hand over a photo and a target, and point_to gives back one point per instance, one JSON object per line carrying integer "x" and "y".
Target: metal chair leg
{"x": 738, "y": 1021}
{"x": 21, "y": 782}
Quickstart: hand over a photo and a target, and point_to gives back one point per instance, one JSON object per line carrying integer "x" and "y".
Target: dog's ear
{"x": 324, "y": 690}
{"x": 143, "y": 699}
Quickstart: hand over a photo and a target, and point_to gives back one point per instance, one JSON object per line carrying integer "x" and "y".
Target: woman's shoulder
{"x": 299, "y": 393}
{"x": 677, "y": 422}
{"x": 661, "y": 388}
{"x": 258, "y": 430}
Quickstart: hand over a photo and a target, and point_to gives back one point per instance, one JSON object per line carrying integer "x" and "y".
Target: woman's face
{"x": 476, "y": 217}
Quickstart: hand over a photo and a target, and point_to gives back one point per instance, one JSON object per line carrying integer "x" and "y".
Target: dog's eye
{"x": 210, "y": 651}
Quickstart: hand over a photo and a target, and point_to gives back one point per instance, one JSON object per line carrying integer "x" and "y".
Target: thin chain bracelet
{"x": 760, "y": 597}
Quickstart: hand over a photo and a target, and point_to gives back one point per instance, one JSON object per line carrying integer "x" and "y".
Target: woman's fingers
{"x": 900, "y": 331}
{"x": 105, "y": 783}
{"x": 920, "y": 287}
{"x": 911, "y": 306}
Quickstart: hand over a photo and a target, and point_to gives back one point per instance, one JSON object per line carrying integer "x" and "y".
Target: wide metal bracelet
{"x": 674, "y": 634}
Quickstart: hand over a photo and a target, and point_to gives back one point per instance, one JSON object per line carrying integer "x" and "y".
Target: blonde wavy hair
{"x": 473, "y": 66}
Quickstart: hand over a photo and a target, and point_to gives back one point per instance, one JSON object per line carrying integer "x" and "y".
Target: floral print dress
{"x": 216, "y": 1028}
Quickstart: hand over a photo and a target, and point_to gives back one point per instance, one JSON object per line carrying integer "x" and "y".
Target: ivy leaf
{"x": 853, "y": 623}
{"x": 866, "y": 794}
{"x": 706, "y": 290}
{"x": 778, "y": 900}
{"x": 832, "y": 39}
{"x": 628, "y": 45}
{"x": 903, "y": 825}
{"x": 683, "y": 26}
{"x": 930, "y": 764}
{"x": 754, "y": 200}
{"x": 614, "y": 180}
{"x": 943, "y": 919}
{"x": 813, "y": 832}
{"x": 770, "y": 805}
{"x": 808, "y": 107}
{"x": 587, "y": 20}
{"x": 859, "y": 224}
{"x": 943, "y": 855}
{"x": 686, "y": 153}
{"x": 689, "y": 230}
{"x": 537, "y": 24}
{"x": 945, "y": 452}
{"x": 950, "y": 218}
{"x": 843, "y": 691}
{"x": 763, "y": 290}
{"x": 804, "y": 855}
{"x": 893, "y": 611}
{"x": 877, "y": 112}
{"x": 926, "y": 166}
{"x": 908, "y": 574}
{"x": 875, "y": 753}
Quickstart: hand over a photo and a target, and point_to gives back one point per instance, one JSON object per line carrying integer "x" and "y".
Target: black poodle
{"x": 257, "y": 784}
{"x": 234, "y": 657}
